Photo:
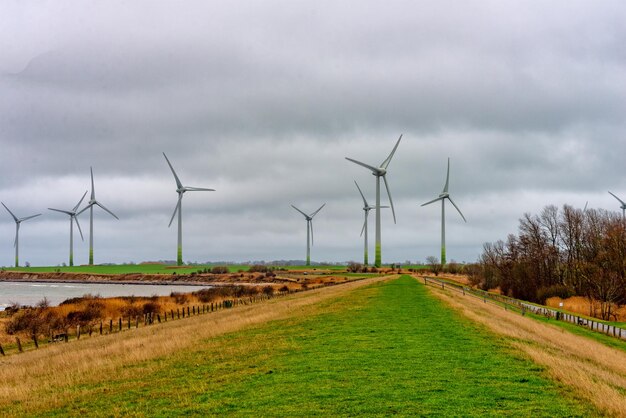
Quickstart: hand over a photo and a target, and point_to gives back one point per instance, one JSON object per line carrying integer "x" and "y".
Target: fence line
{"x": 152, "y": 317}
{"x": 523, "y": 307}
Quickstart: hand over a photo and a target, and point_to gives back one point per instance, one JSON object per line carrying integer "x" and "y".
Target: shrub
{"x": 258, "y": 268}
{"x": 556, "y": 290}
{"x": 151, "y": 307}
{"x": 284, "y": 289}
{"x": 180, "y": 298}
{"x": 268, "y": 290}
{"x": 131, "y": 311}
{"x": 219, "y": 270}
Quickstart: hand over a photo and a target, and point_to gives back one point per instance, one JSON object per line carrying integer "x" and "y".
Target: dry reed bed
{"x": 39, "y": 378}
{"x": 594, "y": 371}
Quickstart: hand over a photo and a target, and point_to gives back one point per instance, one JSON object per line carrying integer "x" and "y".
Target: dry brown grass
{"x": 39, "y": 378}
{"x": 594, "y": 371}
{"x": 581, "y": 305}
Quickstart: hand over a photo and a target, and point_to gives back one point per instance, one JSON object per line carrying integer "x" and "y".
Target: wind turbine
{"x": 181, "y": 190}
{"x": 72, "y": 213}
{"x": 622, "y": 206}
{"x": 92, "y": 202}
{"x": 18, "y": 221}
{"x": 379, "y": 172}
{"x": 366, "y": 210}
{"x": 309, "y": 230}
{"x": 443, "y": 196}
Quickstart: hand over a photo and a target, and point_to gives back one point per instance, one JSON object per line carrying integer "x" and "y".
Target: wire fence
{"x": 509, "y": 303}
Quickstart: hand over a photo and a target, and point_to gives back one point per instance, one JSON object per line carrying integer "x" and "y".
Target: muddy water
{"x": 30, "y": 293}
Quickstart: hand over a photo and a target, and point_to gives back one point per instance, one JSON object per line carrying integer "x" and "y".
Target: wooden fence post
{"x": 78, "y": 332}
{"x": 137, "y": 321}
{"x": 159, "y": 318}
{"x": 187, "y": 310}
{"x": 129, "y": 322}
{"x": 120, "y": 324}
{"x": 165, "y": 315}
{"x": 2, "y": 350}
{"x": 110, "y": 326}
{"x": 90, "y": 330}
{"x": 183, "y": 312}
{"x": 35, "y": 340}
{"x": 19, "y": 345}
{"x": 100, "y": 327}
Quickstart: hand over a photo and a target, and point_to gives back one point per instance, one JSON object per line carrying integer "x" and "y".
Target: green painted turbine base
{"x": 378, "y": 261}
{"x": 443, "y": 256}
{"x": 91, "y": 256}
{"x": 365, "y": 260}
{"x": 179, "y": 258}
{"x": 17, "y": 263}
{"x": 71, "y": 261}
{"x": 308, "y": 261}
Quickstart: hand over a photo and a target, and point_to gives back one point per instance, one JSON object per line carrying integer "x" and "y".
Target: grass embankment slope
{"x": 387, "y": 348}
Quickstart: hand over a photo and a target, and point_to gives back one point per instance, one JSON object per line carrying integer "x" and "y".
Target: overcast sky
{"x": 263, "y": 100}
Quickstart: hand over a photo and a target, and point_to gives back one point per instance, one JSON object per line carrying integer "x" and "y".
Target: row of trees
{"x": 560, "y": 252}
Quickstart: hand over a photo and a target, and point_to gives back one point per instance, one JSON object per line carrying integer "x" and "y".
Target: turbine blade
{"x": 111, "y": 213}
{"x": 431, "y": 201}
{"x": 445, "y": 188}
{"x": 585, "y": 208}
{"x": 74, "y": 218}
{"x": 8, "y": 210}
{"x": 389, "y": 194}
{"x": 79, "y": 202}
{"x": 457, "y": 208}
{"x": 178, "y": 183}
{"x": 67, "y": 212}
{"x": 29, "y": 217}
{"x": 364, "y": 224}
{"x": 198, "y": 189}
{"x": 180, "y": 197}
{"x": 620, "y": 200}
{"x": 315, "y": 213}
{"x": 93, "y": 189}
{"x": 305, "y": 215}
{"x": 364, "y": 201}
{"x": 393, "y": 151}
{"x": 373, "y": 169}
{"x": 84, "y": 209}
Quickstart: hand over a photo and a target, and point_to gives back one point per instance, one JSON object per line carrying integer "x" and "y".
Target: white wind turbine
{"x": 18, "y": 221}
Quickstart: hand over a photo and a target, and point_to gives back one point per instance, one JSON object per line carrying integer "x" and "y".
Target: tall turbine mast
{"x": 379, "y": 172}
{"x": 622, "y": 205}
{"x": 93, "y": 202}
{"x": 366, "y": 210}
{"x": 180, "y": 189}
{"x": 16, "y": 243}
{"x": 443, "y": 196}
{"x": 72, "y": 214}
{"x": 309, "y": 230}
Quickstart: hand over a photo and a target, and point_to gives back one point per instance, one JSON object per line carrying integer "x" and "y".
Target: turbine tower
{"x": 93, "y": 202}
{"x": 181, "y": 190}
{"x": 366, "y": 210}
{"x": 18, "y": 221}
{"x": 443, "y": 196}
{"x": 309, "y": 231}
{"x": 622, "y": 205}
{"x": 379, "y": 172}
{"x": 73, "y": 218}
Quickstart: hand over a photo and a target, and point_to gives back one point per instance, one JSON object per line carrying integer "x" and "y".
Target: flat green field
{"x": 384, "y": 349}
{"x": 151, "y": 269}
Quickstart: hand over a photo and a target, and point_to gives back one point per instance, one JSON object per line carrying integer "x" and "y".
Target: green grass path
{"x": 385, "y": 349}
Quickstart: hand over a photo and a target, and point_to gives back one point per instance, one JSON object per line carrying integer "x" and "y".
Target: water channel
{"x": 30, "y": 293}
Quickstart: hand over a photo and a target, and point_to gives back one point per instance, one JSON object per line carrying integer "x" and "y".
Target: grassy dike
{"x": 389, "y": 348}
